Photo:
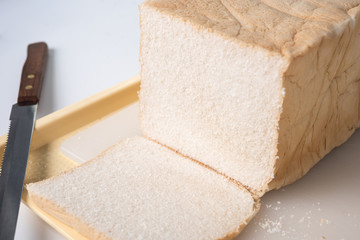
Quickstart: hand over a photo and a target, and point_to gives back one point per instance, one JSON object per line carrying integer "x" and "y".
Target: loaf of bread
{"x": 251, "y": 94}
{"x": 139, "y": 189}
{"x": 258, "y": 90}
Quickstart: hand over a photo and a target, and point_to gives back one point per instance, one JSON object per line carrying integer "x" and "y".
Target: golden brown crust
{"x": 321, "y": 102}
{"x": 288, "y": 27}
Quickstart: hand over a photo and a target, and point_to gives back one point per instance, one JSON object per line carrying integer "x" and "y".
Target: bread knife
{"x": 22, "y": 120}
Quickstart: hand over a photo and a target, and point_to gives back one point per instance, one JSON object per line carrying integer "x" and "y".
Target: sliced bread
{"x": 139, "y": 189}
{"x": 258, "y": 90}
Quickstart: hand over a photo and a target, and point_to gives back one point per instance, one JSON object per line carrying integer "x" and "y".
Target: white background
{"x": 94, "y": 44}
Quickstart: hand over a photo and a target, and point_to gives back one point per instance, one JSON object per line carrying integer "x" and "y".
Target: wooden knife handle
{"x": 33, "y": 74}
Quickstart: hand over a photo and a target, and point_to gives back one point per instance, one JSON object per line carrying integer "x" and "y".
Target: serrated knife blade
{"x": 22, "y": 119}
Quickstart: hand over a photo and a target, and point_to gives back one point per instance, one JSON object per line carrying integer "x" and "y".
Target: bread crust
{"x": 278, "y": 26}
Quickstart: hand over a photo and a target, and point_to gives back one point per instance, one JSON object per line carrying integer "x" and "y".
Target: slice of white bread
{"x": 139, "y": 189}
{"x": 258, "y": 90}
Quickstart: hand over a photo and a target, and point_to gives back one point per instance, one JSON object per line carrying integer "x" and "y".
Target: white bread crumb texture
{"x": 210, "y": 99}
{"x": 255, "y": 113}
{"x": 139, "y": 189}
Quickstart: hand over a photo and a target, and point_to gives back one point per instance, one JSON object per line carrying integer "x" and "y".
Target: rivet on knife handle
{"x": 33, "y": 74}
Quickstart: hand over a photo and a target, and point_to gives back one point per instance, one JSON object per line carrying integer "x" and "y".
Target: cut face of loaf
{"x": 257, "y": 90}
{"x": 139, "y": 189}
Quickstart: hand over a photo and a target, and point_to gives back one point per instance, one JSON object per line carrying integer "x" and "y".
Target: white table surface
{"x": 94, "y": 44}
